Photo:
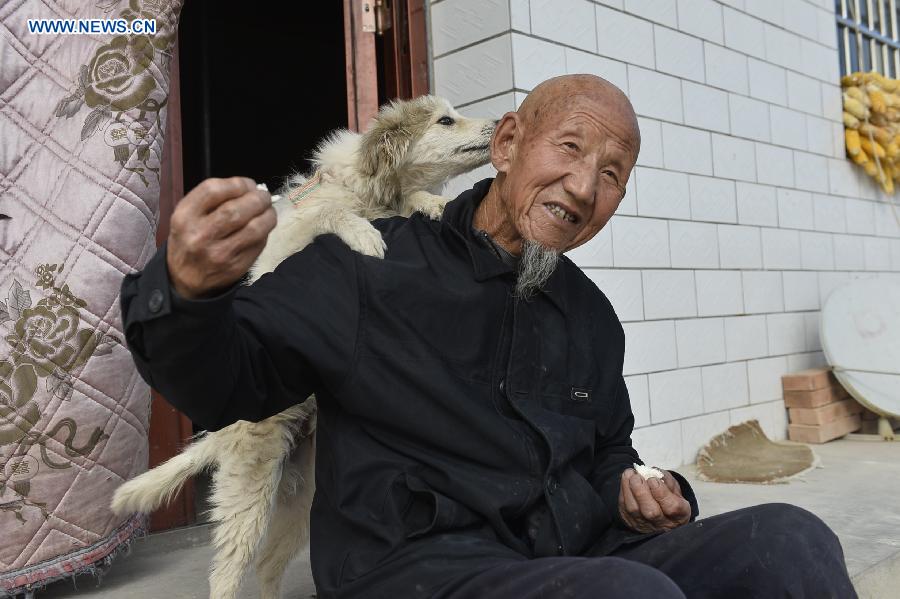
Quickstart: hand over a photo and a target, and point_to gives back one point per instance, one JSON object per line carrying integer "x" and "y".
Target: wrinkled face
{"x": 450, "y": 144}
{"x": 566, "y": 176}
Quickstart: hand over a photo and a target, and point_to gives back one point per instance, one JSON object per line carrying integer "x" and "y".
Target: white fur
{"x": 263, "y": 482}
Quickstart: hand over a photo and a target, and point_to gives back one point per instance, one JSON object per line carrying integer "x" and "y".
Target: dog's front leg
{"x": 427, "y": 203}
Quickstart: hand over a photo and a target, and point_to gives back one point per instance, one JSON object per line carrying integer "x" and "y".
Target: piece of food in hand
{"x": 264, "y": 187}
{"x": 648, "y": 472}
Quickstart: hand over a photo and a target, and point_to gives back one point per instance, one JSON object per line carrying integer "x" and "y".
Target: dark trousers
{"x": 770, "y": 551}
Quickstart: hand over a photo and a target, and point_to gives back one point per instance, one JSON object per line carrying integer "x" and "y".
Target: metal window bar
{"x": 868, "y": 36}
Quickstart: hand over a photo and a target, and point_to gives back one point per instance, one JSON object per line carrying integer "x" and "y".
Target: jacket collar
{"x": 459, "y": 214}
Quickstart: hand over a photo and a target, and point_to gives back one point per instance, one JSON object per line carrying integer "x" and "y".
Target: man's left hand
{"x": 652, "y": 505}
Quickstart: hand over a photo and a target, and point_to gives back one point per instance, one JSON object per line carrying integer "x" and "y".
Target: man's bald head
{"x": 559, "y": 96}
{"x": 563, "y": 160}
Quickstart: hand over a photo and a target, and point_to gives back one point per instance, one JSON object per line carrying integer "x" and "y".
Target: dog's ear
{"x": 384, "y": 145}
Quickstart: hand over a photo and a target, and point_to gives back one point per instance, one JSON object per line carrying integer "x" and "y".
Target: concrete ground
{"x": 856, "y": 491}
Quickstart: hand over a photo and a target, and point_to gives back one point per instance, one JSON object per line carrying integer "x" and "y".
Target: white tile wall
{"x": 586, "y": 62}
{"x": 660, "y": 11}
{"x": 570, "y": 22}
{"x": 763, "y": 291}
{"x": 733, "y": 158}
{"x": 816, "y": 251}
{"x": 725, "y": 386}
{"x": 712, "y": 200}
{"x": 702, "y": 18}
{"x": 804, "y": 93}
{"x": 719, "y": 292}
{"x": 795, "y": 209}
{"x": 756, "y": 204}
{"x": 768, "y": 82}
{"x": 700, "y": 341}
{"x": 624, "y": 37}
{"x": 788, "y": 128}
{"x": 781, "y": 248}
{"x": 765, "y": 378}
{"x": 519, "y": 14}
{"x": 743, "y": 214}
{"x": 726, "y": 68}
{"x": 694, "y": 245}
{"x": 456, "y": 23}
{"x": 623, "y": 289}
{"x": 744, "y": 33}
{"x": 686, "y": 149}
{"x": 662, "y": 193}
{"x": 705, "y": 107}
{"x": 696, "y": 432}
{"x": 669, "y": 294}
{"x": 745, "y": 337}
{"x": 739, "y": 247}
{"x": 639, "y": 394}
{"x": 475, "y": 72}
{"x": 535, "y": 60}
{"x": 655, "y": 94}
{"x": 659, "y": 445}
{"x": 801, "y": 290}
{"x": 787, "y": 333}
{"x": 651, "y": 143}
{"x": 774, "y": 165}
{"x": 678, "y": 54}
{"x": 649, "y": 346}
{"x": 749, "y": 117}
{"x": 640, "y": 242}
{"x": 675, "y": 394}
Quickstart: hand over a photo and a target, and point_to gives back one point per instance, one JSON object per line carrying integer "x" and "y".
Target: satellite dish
{"x": 860, "y": 332}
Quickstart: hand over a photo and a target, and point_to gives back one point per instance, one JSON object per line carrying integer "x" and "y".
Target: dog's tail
{"x": 157, "y": 486}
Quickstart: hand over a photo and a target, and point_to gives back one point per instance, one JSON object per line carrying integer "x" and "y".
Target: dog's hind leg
{"x": 244, "y": 491}
{"x": 289, "y": 530}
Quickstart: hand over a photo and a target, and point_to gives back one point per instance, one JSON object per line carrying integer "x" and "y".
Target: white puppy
{"x": 263, "y": 481}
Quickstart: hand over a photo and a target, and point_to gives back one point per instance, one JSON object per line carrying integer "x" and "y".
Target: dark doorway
{"x": 261, "y": 85}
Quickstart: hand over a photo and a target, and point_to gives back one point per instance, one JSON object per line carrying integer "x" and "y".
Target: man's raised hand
{"x": 216, "y": 233}
{"x": 652, "y": 505}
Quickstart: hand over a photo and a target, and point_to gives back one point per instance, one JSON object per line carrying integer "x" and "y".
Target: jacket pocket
{"x": 428, "y": 511}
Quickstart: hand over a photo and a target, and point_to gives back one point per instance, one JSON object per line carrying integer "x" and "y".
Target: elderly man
{"x": 474, "y": 425}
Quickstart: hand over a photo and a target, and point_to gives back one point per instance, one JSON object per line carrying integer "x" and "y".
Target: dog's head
{"x": 419, "y": 144}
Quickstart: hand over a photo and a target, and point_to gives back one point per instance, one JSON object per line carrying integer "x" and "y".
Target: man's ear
{"x": 503, "y": 142}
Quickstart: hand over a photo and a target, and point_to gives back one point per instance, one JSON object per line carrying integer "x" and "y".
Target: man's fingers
{"x": 674, "y": 507}
{"x": 671, "y": 483}
{"x": 648, "y": 506}
{"x": 626, "y": 496}
{"x": 254, "y": 232}
{"x": 204, "y": 198}
{"x": 232, "y": 215}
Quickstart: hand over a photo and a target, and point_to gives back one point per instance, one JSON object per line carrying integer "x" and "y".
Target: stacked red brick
{"x": 819, "y": 408}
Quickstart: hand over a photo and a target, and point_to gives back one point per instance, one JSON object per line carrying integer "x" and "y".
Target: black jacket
{"x": 452, "y": 417}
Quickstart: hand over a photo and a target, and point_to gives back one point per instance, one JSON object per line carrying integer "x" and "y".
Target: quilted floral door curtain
{"x": 81, "y": 131}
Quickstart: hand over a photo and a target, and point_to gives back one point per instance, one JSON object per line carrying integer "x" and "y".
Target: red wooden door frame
{"x": 170, "y": 430}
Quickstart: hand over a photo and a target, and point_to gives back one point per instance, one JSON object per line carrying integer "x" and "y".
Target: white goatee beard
{"x": 536, "y": 265}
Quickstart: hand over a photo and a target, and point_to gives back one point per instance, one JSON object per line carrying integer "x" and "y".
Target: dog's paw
{"x": 434, "y": 211}
{"x": 428, "y": 204}
{"x": 365, "y": 241}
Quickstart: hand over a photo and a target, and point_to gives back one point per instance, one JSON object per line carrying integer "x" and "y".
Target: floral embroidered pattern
{"x": 46, "y": 342}
{"x": 119, "y": 86}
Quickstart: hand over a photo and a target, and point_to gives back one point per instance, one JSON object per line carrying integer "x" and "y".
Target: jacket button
{"x": 559, "y": 550}
{"x": 502, "y": 386}
{"x": 156, "y": 301}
